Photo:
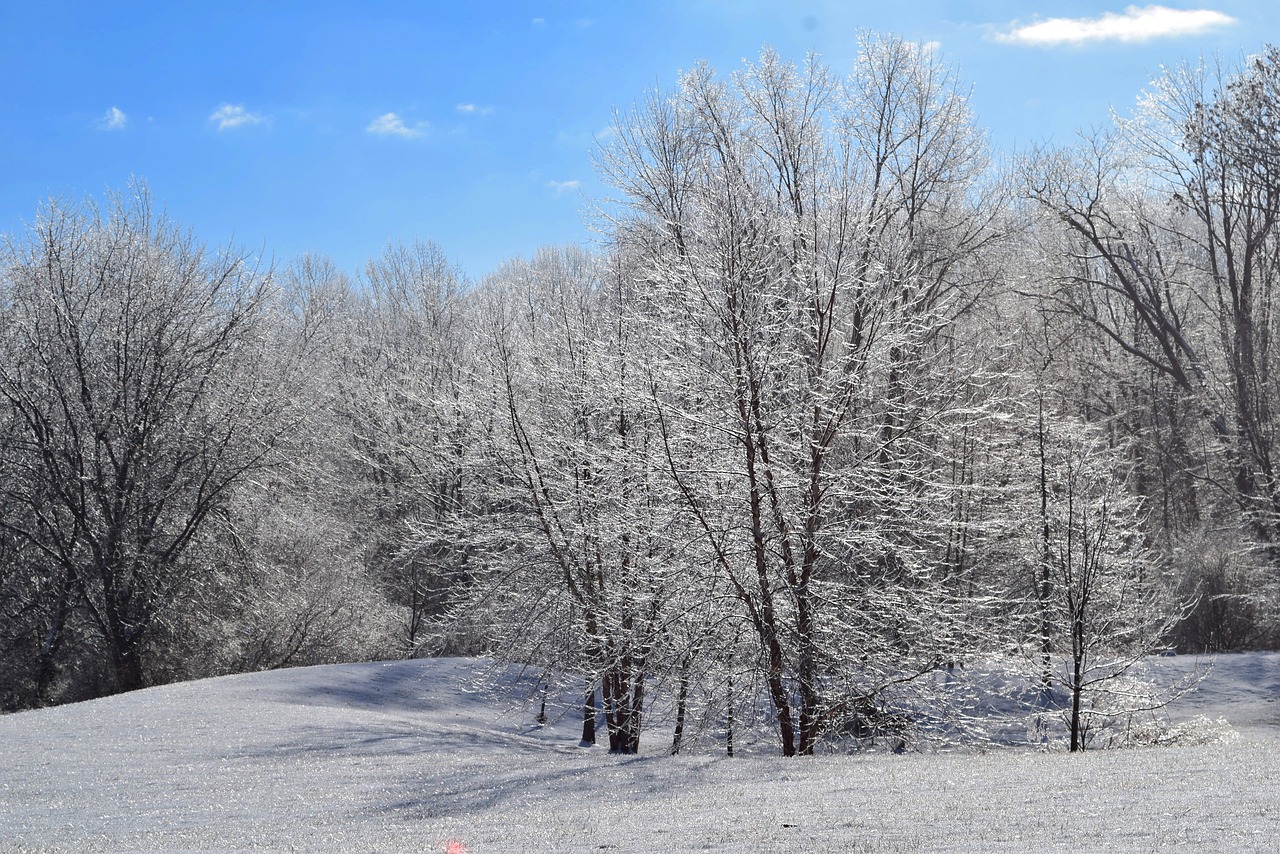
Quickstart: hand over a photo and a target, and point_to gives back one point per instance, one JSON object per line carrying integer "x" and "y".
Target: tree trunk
{"x": 1077, "y": 688}
{"x": 126, "y": 655}
{"x": 542, "y": 708}
{"x": 682, "y": 699}
{"x": 728, "y": 731}
{"x": 623, "y": 696}
{"x": 589, "y": 716}
{"x": 809, "y": 716}
{"x": 51, "y": 643}
{"x": 612, "y": 693}
{"x": 778, "y": 693}
{"x": 1042, "y": 585}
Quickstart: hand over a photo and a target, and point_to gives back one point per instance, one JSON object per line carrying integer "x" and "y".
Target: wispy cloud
{"x": 113, "y": 119}
{"x": 474, "y": 110}
{"x": 585, "y": 139}
{"x": 1135, "y": 24}
{"x": 231, "y": 116}
{"x": 559, "y": 188}
{"x": 390, "y": 124}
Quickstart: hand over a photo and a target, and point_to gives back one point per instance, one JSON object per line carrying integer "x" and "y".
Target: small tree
{"x": 1104, "y": 605}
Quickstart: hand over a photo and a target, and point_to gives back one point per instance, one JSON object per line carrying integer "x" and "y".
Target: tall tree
{"x": 802, "y": 244}
{"x": 587, "y": 566}
{"x": 129, "y": 380}
{"x": 404, "y": 401}
{"x": 1173, "y": 231}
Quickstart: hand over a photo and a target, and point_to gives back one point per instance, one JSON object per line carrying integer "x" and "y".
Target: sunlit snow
{"x": 439, "y": 756}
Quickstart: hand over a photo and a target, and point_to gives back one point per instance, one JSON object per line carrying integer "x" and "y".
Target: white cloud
{"x": 539, "y": 22}
{"x": 390, "y": 124}
{"x": 474, "y": 110}
{"x": 114, "y": 119}
{"x": 1134, "y": 25}
{"x": 230, "y": 116}
{"x": 559, "y": 188}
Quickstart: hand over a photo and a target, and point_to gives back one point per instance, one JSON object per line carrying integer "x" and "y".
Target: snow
{"x": 441, "y": 755}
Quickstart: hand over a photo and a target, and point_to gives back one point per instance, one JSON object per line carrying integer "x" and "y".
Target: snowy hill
{"x": 432, "y": 755}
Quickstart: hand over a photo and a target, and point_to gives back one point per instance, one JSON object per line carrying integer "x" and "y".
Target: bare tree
{"x": 1173, "y": 226}
{"x": 130, "y": 388}
{"x": 1105, "y": 605}
{"x": 407, "y": 416}
{"x": 586, "y": 557}
{"x": 802, "y": 243}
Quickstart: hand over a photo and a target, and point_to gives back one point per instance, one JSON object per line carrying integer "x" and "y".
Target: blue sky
{"x": 292, "y": 127}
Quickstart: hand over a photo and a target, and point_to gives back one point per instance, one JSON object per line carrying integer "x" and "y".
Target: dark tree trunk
{"x": 609, "y": 694}
{"x": 1077, "y": 688}
{"x": 589, "y": 716}
{"x": 542, "y": 708}
{"x": 623, "y": 695}
{"x": 126, "y": 656}
{"x": 128, "y": 666}
{"x": 809, "y": 716}
{"x": 1042, "y": 585}
{"x": 51, "y": 643}
{"x": 728, "y": 731}
{"x": 637, "y": 715}
{"x": 682, "y": 699}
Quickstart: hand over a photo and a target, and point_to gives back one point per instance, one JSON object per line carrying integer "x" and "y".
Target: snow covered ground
{"x": 417, "y": 756}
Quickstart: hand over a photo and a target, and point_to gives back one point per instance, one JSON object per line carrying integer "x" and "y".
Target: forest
{"x": 842, "y": 400}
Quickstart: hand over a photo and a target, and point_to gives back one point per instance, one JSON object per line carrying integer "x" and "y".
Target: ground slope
{"x": 422, "y": 756}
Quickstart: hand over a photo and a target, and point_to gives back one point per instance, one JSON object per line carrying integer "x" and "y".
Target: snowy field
{"x": 413, "y": 757}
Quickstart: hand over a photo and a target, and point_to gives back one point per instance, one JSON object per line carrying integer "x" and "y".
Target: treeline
{"x": 841, "y": 403}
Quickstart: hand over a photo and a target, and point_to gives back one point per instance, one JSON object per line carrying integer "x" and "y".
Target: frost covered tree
{"x": 403, "y": 383}
{"x": 1104, "y": 603}
{"x": 132, "y": 405}
{"x": 585, "y": 551}
{"x": 1168, "y": 254}
{"x": 295, "y": 586}
{"x": 1172, "y": 221}
{"x": 802, "y": 245}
